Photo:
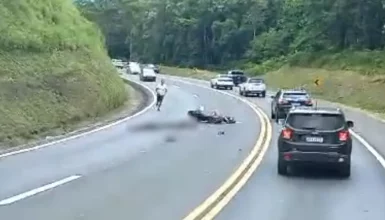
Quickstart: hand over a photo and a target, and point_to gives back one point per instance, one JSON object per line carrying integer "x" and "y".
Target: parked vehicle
{"x": 134, "y": 68}
{"x": 147, "y": 74}
{"x": 238, "y": 76}
{"x": 222, "y": 82}
{"x": 284, "y": 100}
{"x": 253, "y": 86}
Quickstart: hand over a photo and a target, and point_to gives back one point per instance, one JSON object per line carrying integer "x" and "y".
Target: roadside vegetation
{"x": 54, "y": 70}
{"x": 289, "y": 42}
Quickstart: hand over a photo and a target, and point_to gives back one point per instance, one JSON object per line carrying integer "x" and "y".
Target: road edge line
{"x": 72, "y": 137}
{"x": 369, "y": 147}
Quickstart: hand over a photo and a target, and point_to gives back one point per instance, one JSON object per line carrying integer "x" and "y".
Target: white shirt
{"x": 161, "y": 89}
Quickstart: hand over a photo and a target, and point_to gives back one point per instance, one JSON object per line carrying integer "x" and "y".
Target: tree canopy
{"x": 214, "y": 32}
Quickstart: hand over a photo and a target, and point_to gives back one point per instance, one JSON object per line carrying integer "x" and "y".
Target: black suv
{"x": 238, "y": 76}
{"x": 284, "y": 100}
{"x": 315, "y": 136}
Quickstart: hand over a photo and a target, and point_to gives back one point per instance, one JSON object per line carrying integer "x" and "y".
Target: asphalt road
{"x": 311, "y": 194}
{"x": 314, "y": 194}
{"x": 126, "y": 173}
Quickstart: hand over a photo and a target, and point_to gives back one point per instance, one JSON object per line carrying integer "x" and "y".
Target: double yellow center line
{"x": 219, "y": 199}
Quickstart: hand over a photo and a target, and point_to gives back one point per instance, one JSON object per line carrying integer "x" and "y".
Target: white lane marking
{"x": 178, "y": 87}
{"x": 33, "y": 192}
{"x": 370, "y": 148}
{"x": 195, "y": 96}
{"x": 88, "y": 132}
{"x": 380, "y": 158}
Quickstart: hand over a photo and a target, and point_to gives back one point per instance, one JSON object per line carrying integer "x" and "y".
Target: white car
{"x": 148, "y": 74}
{"x": 221, "y": 81}
{"x": 253, "y": 86}
{"x": 134, "y": 68}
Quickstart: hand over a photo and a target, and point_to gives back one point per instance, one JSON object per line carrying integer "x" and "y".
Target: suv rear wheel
{"x": 345, "y": 170}
{"x": 282, "y": 167}
{"x": 277, "y": 116}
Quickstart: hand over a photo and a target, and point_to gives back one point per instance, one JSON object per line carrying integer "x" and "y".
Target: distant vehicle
{"x": 238, "y": 76}
{"x": 284, "y": 100}
{"x": 147, "y": 74}
{"x": 116, "y": 60}
{"x": 315, "y": 136}
{"x": 222, "y": 82}
{"x": 154, "y": 67}
{"x": 134, "y": 68}
{"x": 253, "y": 86}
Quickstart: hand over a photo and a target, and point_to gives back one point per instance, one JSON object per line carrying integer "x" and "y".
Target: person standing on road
{"x": 161, "y": 91}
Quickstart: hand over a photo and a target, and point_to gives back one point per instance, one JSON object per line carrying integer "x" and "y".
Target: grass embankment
{"x": 352, "y": 78}
{"x": 54, "y": 70}
{"x": 186, "y": 72}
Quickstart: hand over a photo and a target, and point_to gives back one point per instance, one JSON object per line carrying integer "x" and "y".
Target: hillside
{"x": 54, "y": 69}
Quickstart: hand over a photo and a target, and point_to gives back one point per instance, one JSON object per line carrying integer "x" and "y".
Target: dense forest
{"x": 216, "y": 32}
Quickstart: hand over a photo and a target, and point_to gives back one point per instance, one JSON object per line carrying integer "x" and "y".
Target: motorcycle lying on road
{"x": 212, "y": 118}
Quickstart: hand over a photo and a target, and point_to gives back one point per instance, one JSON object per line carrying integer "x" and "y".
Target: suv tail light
{"x": 343, "y": 135}
{"x": 282, "y": 101}
{"x": 287, "y": 133}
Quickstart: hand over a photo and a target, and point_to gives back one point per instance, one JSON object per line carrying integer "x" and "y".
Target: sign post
{"x": 317, "y": 83}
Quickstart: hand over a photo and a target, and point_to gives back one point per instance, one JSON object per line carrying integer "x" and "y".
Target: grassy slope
{"x": 54, "y": 69}
{"x": 352, "y": 78}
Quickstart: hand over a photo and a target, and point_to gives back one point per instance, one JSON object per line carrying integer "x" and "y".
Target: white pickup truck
{"x": 147, "y": 74}
{"x": 222, "y": 81}
{"x": 253, "y": 86}
{"x": 134, "y": 68}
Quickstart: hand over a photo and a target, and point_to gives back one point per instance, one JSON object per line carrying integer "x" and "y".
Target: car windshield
{"x": 256, "y": 81}
{"x": 225, "y": 80}
{"x": 295, "y": 95}
{"x": 316, "y": 121}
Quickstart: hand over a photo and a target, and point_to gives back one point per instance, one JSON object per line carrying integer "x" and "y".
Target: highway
{"x": 123, "y": 172}
{"x": 314, "y": 194}
{"x": 126, "y": 173}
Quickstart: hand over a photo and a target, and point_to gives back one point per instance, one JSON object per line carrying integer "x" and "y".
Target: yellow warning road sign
{"x": 317, "y": 82}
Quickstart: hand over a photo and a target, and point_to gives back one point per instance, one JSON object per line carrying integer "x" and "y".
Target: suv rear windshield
{"x": 295, "y": 95}
{"x": 316, "y": 121}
